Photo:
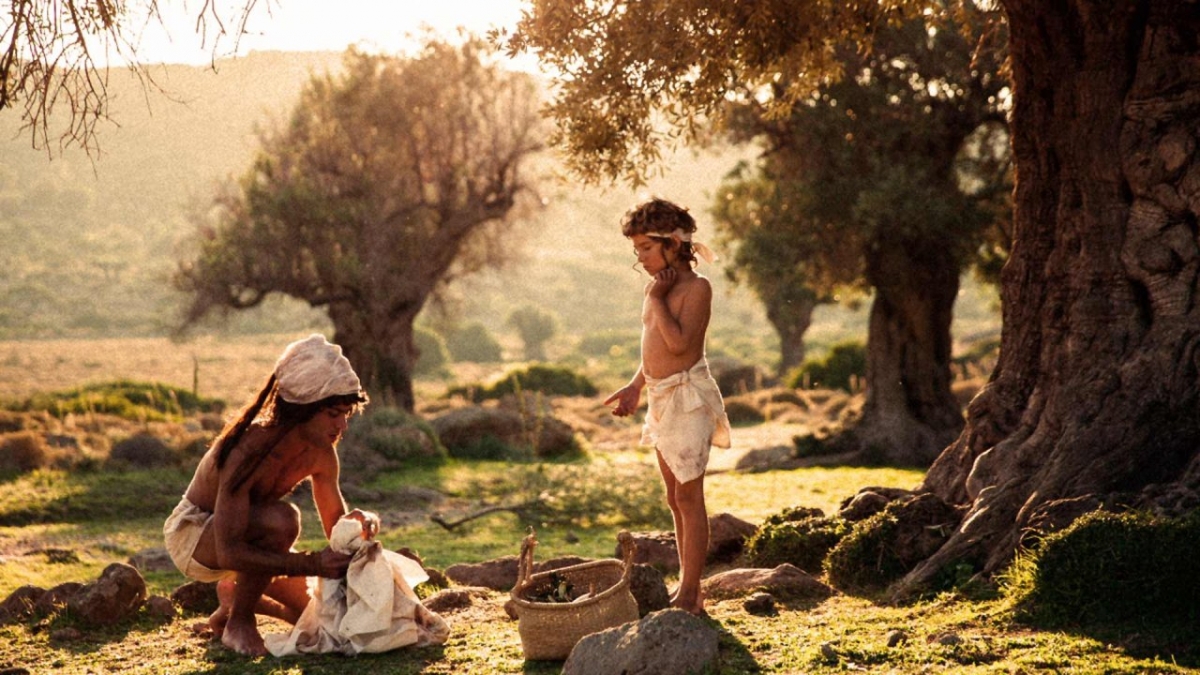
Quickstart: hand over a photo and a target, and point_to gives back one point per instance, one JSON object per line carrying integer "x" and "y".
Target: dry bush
{"x": 143, "y": 451}
{"x": 23, "y": 451}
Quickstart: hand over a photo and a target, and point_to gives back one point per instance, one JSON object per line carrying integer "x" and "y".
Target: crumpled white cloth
{"x": 373, "y": 609}
{"x": 685, "y": 416}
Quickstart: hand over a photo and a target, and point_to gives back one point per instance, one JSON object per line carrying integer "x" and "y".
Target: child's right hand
{"x": 627, "y": 399}
{"x": 663, "y": 281}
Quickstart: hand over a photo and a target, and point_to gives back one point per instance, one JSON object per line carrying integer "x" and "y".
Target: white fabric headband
{"x": 699, "y": 247}
{"x": 313, "y": 369}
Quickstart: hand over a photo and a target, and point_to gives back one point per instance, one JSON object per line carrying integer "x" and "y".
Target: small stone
{"x": 160, "y": 607}
{"x": 760, "y": 604}
{"x": 896, "y": 637}
{"x": 571, "y": 537}
{"x": 828, "y": 652}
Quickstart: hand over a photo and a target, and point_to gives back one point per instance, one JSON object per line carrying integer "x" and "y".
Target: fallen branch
{"x": 450, "y": 525}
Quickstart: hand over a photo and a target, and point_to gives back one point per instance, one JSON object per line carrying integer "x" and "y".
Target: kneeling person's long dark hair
{"x": 277, "y": 413}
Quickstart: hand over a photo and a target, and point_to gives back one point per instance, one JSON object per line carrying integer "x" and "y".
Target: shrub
{"x": 22, "y": 452}
{"x": 1111, "y": 568}
{"x": 803, "y": 543}
{"x": 550, "y": 380}
{"x": 742, "y": 411}
{"x": 845, "y": 361}
{"x": 612, "y": 342}
{"x": 433, "y": 353}
{"x": 864, "y": 560}
{"x": 473, "y": 343}
{"x": 395, "y": 435}
{"x": 139, "y": 401}
{"x": 142, "y": 451}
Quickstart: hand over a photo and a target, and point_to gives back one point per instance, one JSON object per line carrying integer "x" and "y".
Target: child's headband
{"x": 699, "y": 247}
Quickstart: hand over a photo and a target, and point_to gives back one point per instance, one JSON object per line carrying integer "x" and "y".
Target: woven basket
{"x": 549, "y": 630}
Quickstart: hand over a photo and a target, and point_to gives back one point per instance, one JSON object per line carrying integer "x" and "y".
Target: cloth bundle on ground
{"x": 374, "y": 609}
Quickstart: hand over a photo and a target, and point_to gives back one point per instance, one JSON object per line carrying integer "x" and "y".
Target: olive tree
{"x": 388, "y": 181}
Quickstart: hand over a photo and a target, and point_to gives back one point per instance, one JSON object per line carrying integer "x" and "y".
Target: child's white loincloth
{"x": 686, "y": 416}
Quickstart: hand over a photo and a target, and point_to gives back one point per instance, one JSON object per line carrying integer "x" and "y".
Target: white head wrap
{"x": 700, "y": 248}
{"x": 312, "y": 369}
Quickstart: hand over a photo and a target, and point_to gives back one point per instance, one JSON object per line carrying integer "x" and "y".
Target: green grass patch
{"x": 127, "y": 399}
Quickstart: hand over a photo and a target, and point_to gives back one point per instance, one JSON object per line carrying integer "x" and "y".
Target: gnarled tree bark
{"x": 1096, "y": 389}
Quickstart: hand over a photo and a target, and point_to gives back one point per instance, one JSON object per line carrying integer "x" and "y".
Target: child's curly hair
{"x": 659, "y": 216}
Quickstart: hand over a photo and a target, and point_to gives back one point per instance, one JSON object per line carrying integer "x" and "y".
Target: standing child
{"x": 685, "y": 412}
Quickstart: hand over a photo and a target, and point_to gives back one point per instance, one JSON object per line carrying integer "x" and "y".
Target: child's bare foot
{"x": 690, "y": 602}
{"x": 243, "y": 638}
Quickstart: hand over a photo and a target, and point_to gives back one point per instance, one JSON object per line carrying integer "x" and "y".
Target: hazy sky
{"x": 322, "y": 25}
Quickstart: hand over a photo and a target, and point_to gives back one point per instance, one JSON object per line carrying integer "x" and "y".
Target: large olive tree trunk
{"x": 909, "y": 414}
{"x": 380, "y": 345}
{"x": 1095, "y": 394}
{"x": 791, "y": 314}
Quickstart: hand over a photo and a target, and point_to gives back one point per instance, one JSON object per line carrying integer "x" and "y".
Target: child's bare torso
{"x": 658, "y": 360}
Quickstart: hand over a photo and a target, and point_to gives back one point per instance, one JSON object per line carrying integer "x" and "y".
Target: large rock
{"x": 656, "y": 549}
{"x": 785, "y": 581}
{"x": 670, "y": 642}
{"x": 649, "y": 588}
{"x": 727, "y": 535}
{"x": 56, "y": 598}
{"x": 197, "y": 596}
{"x": 112, "y": 598}
{"x": 499, "y": 574}
{"x": 20, "y": 604}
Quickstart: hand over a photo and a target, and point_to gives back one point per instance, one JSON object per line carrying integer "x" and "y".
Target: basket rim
{"x": 621, "y": 584}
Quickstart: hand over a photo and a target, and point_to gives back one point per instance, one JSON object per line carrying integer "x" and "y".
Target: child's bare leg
{"x": 694, "y": 549}
{"x": 670, "y": 484}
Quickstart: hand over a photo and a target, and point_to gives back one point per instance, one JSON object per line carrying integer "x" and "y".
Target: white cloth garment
{"x": 312, "y": 369}
{"x": 373, "y": 609}
{"x": 685, "y": 417}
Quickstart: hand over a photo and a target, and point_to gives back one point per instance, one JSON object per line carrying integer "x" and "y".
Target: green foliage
{"x": 803, "y": 543}
{"x": 864, "y": 560}
{"x": 395, "y": 435}
{"x": 547, "y": 379}
{"x": 845, "y": 361}
{"x": 1110, "y": 568}
{"x": 613, "y": 342}
{"x": 473, "y": 343}
{"x": 139, "y": 401}
{"x": 535, "y": 326}
{"x": 488, "y": 447}
{"x": 434, "y": 356}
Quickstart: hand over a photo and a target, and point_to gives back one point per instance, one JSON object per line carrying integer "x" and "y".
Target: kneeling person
{"x": 232, "y": 525}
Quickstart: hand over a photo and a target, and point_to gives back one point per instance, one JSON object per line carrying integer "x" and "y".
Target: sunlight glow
{"x": 391, "y": 26}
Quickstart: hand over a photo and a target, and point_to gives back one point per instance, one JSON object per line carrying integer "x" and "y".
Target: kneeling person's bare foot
{"x": 243, "y": 638}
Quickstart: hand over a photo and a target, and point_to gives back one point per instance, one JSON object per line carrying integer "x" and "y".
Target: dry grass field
{"x": 227, "y": 368}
